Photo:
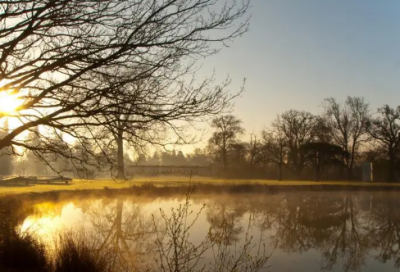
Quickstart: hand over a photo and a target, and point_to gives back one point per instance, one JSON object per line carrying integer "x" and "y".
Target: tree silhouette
{"x": 321, "y": 154}
{"x": 227, "y": 129}
{"x": 386, "y": 131}
{"x": 275, "y": 148}
{"x": 297, "y": 128}
{"x": 347, "y": 124}
{"x": 71, "y": 63}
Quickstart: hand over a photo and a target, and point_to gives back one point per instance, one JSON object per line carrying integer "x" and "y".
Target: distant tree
{"x": 322, "y": 130}
{"x": 238, "y": 154}
{"x": 173, "y": 158}
{"x": 374, "y": 153}
{"x": 320, "y": 155}
{"x": 58, "y": 164}
{"x": 21, "y": 166}
{"x": 36, "y": 163}
{"x": 141, "y": 159}
{"x": 347, "y": 123}
{"x": 199, "y": 157}
{"x": 296, "y": 128}
{"x": 167, "y": 158}
{"x": 86, "y": 166}
{"x": 275, "y": 148}
{"x": 227, "y": 130}
{"x": 155, "y": 159}
{"x": 385, "y": 129}
{"x": 254, "y": 150}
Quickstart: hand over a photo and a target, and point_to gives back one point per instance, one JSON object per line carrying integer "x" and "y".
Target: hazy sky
{"x": 299, "y": 52}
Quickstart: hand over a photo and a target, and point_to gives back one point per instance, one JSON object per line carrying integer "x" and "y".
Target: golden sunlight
{"x": 8, "y": 102}
{"x": 49, "y": 220}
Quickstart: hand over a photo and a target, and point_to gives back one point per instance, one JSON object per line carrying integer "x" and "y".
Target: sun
{"x": 8, "y": 102}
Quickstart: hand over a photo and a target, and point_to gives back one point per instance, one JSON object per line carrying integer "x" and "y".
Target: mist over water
{"x": 333, "y": 231}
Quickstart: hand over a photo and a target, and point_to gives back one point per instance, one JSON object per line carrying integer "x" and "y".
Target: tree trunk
{"x": 349, "y": 173}
{"x": 316, "y": 173}
{"x": 392, "y": 168}
{"x": 224, "y": 160}
{"x": 120, "y": 155}
{"x": 279, "y": 171}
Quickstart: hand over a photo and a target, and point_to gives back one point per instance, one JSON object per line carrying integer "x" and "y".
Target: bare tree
{"x": 254, "y": 149}
{"x": 386, "y": 130}
{"x": 156, "y": 108}
{"x": 275, "y": 148}
{"x": 297, "y": 129}
{"x": 70, "y": 63}
{"x": 321, "y": 155}
{"x": 228, "y": 128}
{"x": 347, "y": 123}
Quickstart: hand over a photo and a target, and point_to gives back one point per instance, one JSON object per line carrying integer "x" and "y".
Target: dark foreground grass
{"x": 25, "y": 253}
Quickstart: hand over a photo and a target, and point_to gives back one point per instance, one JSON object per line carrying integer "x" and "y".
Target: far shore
{"x": 202, "y": 183}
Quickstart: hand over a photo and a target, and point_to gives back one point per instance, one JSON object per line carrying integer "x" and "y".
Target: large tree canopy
{"x": 296, "y": 128}
{"x": 385, "y": 129}
{"x": 224, "y": 139}
{"x": 76, "y": 65}
{"x": 347, "y": 125}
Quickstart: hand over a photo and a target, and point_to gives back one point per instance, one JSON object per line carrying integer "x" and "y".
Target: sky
{"x": 298, "y": 52}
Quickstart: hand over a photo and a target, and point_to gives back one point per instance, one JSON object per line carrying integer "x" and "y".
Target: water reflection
{"x": 124, "y": 230}
{"x": 326, "y": 231}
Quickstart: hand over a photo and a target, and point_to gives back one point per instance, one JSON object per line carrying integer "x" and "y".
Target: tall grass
{"x": 23, "y": 253}
{"x": 76, "y": 254}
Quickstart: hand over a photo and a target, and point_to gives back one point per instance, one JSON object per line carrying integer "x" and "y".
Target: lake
{"x": 285, "y": 231}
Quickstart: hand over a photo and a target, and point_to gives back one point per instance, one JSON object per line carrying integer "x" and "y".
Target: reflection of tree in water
{"x": 344, "y": 237}
{"x": 291, "y": 235}
{"x": 330, "y": 224}
{"x": 385, "y": 229}
{"x": 141, "y": 243}
{"x": 345, "y": 228}
{"x": 299, "y": 223}
{"x": 224, "y": 219}
{"x": 125, "y": 232}
{"x": 178, "y": 253}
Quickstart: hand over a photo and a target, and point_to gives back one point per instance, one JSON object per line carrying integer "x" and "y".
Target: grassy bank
{"x": 180, "y": 180}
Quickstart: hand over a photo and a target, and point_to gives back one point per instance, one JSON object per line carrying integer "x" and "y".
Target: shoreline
{"x": 171, "y": 190}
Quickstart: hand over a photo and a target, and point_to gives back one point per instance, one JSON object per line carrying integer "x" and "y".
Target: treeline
{"x": 332, "y": 145}
{"x": 80, "y": 158}
{"x": 300, "y": 145}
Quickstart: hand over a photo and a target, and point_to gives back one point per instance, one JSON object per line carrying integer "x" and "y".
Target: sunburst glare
{"x": 9, "y": 103}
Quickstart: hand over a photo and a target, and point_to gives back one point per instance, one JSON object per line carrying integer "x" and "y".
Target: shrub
{"x": 78, "y": 256}
{"x": 23, "y": 253}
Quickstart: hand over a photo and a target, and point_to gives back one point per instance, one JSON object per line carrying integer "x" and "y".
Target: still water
{"x": 315, "y": 231}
